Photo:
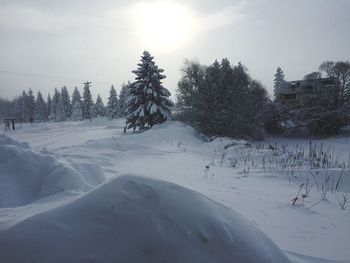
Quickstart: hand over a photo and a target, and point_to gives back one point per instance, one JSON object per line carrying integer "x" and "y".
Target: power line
{"x": 45, "y": 76}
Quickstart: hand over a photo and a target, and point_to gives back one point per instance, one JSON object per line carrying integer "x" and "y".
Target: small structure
{"x": 8, "y": 121}
{"x": 293, "y": 91}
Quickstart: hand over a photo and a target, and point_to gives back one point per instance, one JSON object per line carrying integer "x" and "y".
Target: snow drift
{"x": 27, "y": 176}
{"x": 133, "y": 219}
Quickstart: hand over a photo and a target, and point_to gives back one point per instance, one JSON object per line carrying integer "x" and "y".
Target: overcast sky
{"x": 67, "y": 42}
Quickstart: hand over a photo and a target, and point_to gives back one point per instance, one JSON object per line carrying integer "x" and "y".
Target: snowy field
{"x": 59, "y": 164}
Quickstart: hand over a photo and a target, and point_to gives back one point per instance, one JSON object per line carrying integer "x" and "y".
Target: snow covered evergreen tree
{"x": 61, "y": 113}
{"x": 54, "y": 105}
{"x": 87, "y": 104}
{"x": 99, "y": 108}
{"x": 40, "y": 108}
{"x": 30, "y": 105}
{"x": 67, "y": 106}
{"x": 148, "y": 100}
{"x": 48, "y": 106}
{"x": 122, "y": 99}
{"x": 21, "y": 111}
{"x": 57, "y": 108}
{"x": 76, "y": 111}
{"x": 279, "y": 81}
{"x": 112, "y": 104}
{"x": 76, "y": 96}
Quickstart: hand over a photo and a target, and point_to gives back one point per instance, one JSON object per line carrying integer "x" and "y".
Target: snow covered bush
{"x": 147, "y": 100}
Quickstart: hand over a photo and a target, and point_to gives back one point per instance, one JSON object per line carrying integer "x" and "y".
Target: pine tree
{"x": 21, "y": 111}
{"x": 48, "y": 106}
{"x": 112, "y": 105}
{"x": 87, "y": 105}
{"x": 76, "y": 111}
{"x": 54, "y": 105}
{"x": 76, "y": 96}
{"x": 40, "y": 108}
{"x": 61, "y": 113}
{"x": 30, "y": 105}
{"x": 122, "y": 99}
{"x": 67, "y": 106}
{"x": 57, "y": 108}
{"x": 99, "y": 108}
{"x": 147, "y": 101}
{"x": 279, "y": 82}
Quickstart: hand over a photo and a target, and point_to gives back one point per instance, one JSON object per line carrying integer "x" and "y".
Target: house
{"x": 291, "y": 92}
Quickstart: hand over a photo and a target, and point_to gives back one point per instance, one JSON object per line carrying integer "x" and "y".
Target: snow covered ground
{"x": 257, "y": 180}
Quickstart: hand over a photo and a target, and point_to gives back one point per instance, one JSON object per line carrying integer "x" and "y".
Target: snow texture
{"x": 133, "y": 219}
{"x": 99, "y": 151}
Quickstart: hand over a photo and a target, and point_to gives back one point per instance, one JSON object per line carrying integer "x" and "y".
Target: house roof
{"x": 292, "y": 87}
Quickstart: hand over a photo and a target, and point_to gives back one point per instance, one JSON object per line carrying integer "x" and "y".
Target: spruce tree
{"x": 122, "y": 99}
{"x": 67, "y": 106}
{"x": 30, "y": 105}
{"x": 48, "y": 106}
{"x": 57, "y": 108}
{"x": 99, "y": 108}
{"x": 87, "y": 104}
{"x": 61, "y": 113}
{"x": 112, "y": 104}
{"x": 76, "y": 111}
{"x": 147, "y": 101}
{"x": 21, "y": 111}
{"x": 76, "y": 96}
{"x": 279, "y": 81}
{"x": 40, "y": 108}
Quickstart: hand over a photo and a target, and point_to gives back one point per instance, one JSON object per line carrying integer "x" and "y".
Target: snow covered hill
{"x": 65, "y": 161}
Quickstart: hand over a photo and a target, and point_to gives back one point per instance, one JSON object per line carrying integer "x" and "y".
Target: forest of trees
{"x": 61, "y": 106}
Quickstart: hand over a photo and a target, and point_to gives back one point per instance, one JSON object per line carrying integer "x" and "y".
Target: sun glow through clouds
{"x": 163, "y": 26}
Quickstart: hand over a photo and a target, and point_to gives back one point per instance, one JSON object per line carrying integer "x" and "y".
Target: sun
{"x": 164, "y": 26}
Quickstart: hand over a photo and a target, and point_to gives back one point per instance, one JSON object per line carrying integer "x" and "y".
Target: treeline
{"x": 223, "y": 100}
{"x": 218, "y": 100}
{"x": 61, "y": 106}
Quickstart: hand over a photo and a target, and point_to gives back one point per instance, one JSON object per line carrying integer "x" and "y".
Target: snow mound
{"x": 27, "y": 176}
{"x": 169, "y": 130}
{"x": 133, "y": 219}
